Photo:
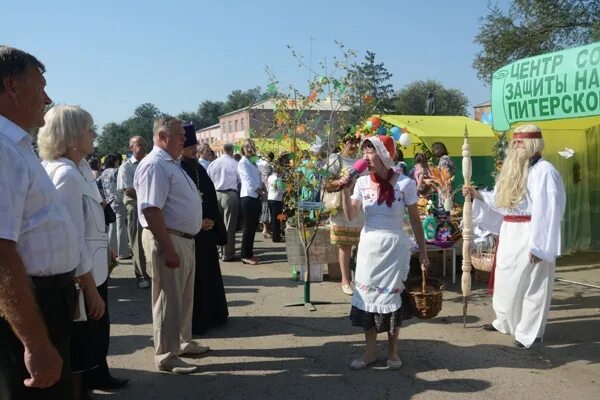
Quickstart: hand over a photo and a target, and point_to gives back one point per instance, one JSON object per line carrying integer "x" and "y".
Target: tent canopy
{"x": 449, "y": 130}
{"x": 580, "y": 174}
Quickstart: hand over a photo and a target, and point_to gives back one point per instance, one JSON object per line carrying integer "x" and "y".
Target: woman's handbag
{"x": 333, "y": 200}
{"x": 109, "y": 214}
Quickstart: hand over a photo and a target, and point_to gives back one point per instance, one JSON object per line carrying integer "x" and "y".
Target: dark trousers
{"x": 101, "y": 342}
{"x": 275, "y": 208}
{"x": 251, "y": 209}
{"x": 55, "y": 297}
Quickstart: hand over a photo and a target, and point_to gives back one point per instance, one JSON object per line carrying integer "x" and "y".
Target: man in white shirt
{"x": 252, "y": 189}
{"x": 138, "y": 147}
{"x": 224, "y": 174}
{"x": 170, "y": 211}
{"x": 39, "y": 248}
{"x": 526, "y": 209}
{"x": 204, "y": 154}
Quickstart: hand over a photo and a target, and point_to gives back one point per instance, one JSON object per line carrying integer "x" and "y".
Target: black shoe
{"x": 489, "y": 328}
{"x": 519, "y": 344}
{"x": 110, "y": 383}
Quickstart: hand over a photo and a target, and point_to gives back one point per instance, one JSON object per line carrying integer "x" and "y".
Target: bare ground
{"x": 268, "y": 351}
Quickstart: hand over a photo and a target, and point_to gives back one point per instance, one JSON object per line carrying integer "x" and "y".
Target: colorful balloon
{"x": 381, "y": 130}
{"x": 375, "y": 122}
{"x": 369, "y": 125}
{"x": 404, "y": 139}
{"x": 396, "y": 132}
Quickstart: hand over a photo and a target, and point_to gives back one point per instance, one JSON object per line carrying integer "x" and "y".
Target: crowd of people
{"x": 175, "y": 210}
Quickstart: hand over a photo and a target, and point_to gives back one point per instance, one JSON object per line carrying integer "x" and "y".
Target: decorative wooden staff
{"x": 467, "y": 227}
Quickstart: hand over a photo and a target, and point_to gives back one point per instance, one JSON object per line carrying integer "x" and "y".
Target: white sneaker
{"x": 177, "y": 366}
{"x": 194, "y": 349}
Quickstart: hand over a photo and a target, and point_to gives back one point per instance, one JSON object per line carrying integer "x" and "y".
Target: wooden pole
{"x": 467, "y": 223}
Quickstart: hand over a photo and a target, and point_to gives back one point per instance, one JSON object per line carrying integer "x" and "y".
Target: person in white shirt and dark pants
{"x": 251, "y": 195}
{"x": 276, "y": 190}
{"x": 39, "y": 247}
{"x": 224, "y": 174}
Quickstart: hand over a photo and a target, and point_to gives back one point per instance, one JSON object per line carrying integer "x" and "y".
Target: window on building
{"x": 230, "y": 127}
{"x": 242, "y": 124}
{"x": 236, "y": 129}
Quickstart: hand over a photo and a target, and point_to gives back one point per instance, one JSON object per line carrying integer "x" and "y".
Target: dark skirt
{"x": 210, "y": 303}
{"x": 381, "y": 322}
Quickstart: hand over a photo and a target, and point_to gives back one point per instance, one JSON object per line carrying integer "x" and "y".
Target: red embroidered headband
{"x": 527, "y": 135}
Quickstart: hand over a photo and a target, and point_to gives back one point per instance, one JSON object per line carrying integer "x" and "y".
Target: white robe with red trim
{"x": 522, "y": 291}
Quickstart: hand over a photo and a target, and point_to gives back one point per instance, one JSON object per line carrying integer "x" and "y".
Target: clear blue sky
{"x": 111, "y": 56}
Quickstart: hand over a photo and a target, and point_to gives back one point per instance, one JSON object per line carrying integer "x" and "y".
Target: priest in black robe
{"x": 210, "y": 304}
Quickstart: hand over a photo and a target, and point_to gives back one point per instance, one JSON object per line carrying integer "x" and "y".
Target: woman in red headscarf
{"x": 384, "y": 249}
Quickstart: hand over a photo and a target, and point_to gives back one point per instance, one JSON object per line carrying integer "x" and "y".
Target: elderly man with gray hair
{"x": 224, "y": 174}
{"x": 138, "y": 147}
{"x": 170, "y": 211}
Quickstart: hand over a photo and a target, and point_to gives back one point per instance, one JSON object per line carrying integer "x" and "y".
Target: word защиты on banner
{"x": 563, "y": 84}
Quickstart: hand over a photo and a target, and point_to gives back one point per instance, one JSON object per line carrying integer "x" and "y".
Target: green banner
{"x": 564, "y": 84}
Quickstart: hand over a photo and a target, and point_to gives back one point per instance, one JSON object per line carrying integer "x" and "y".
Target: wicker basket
{"x": 482, "y": 261}
{"x": 425, "y": 296}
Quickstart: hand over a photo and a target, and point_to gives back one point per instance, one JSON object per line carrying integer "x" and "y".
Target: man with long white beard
{"x": 526, "y": 209}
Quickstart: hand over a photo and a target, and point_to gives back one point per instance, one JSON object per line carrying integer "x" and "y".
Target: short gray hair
{"x": 15, "y": 62}
{"x": 164, "y": 124}
{"x": 64, "y": 126}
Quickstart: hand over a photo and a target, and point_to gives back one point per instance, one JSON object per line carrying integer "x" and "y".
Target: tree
{"x": 243, "y": 98}
{"x": 142, "y": 121}
{"x": 410, "y": 100}
{"x": 114, "y": 139}
{"x": 208, "y": 113}
{"x": 115, "y": 136}
{"x": 370, "y": 90}
{"x": 533, "y": 27}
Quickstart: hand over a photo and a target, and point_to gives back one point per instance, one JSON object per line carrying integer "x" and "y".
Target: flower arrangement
{"x": 441, "y": 180}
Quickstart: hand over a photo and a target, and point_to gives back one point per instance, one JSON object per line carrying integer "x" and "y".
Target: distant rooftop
{"x": 208, "y": 128}
{"x": 484, "y": 104}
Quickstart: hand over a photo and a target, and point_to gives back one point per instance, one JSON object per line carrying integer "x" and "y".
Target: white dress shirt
{"x": 224, "y": 173}
{"x": 125, "y": 178}
{"x": 161, "y": 182}
{"x": 31, "y": 213}
{"x": 79, "y": 193}
{"x": 204, "y": 163}
{"x": 274, "y": 184}
{"x": 250, "y": 178}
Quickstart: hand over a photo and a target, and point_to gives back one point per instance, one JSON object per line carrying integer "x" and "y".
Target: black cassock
{"x": 210, "y": 304}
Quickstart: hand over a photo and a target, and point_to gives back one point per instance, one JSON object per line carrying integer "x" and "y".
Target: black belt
{"x": 180, "y": 234}
{"x": 227, "y": 190}
{"x": 53, "y": 280}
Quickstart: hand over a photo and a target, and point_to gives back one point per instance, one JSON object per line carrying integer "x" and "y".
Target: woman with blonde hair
{"x": 64, "y": 141}
{"x": 343, "y": 233}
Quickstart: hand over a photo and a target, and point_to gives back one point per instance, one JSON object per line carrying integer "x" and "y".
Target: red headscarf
{"x": 386, "y": 190}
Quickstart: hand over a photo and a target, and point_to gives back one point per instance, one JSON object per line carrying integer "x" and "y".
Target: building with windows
{"x": 258, "y": 120}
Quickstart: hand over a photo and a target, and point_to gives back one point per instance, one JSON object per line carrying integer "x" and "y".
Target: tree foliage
{"x": 115, "y": 136}
{"x": 369, "y": 89}
{"x": 410, "y": 100}
{"x": 533, "y": 27}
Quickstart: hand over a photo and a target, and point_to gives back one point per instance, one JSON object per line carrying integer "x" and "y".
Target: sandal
{"x": 251, "y": 261}
{"x": 394, "y": 364}
{"x": 359, "y": 364}
{"x": 347, "y": 289}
